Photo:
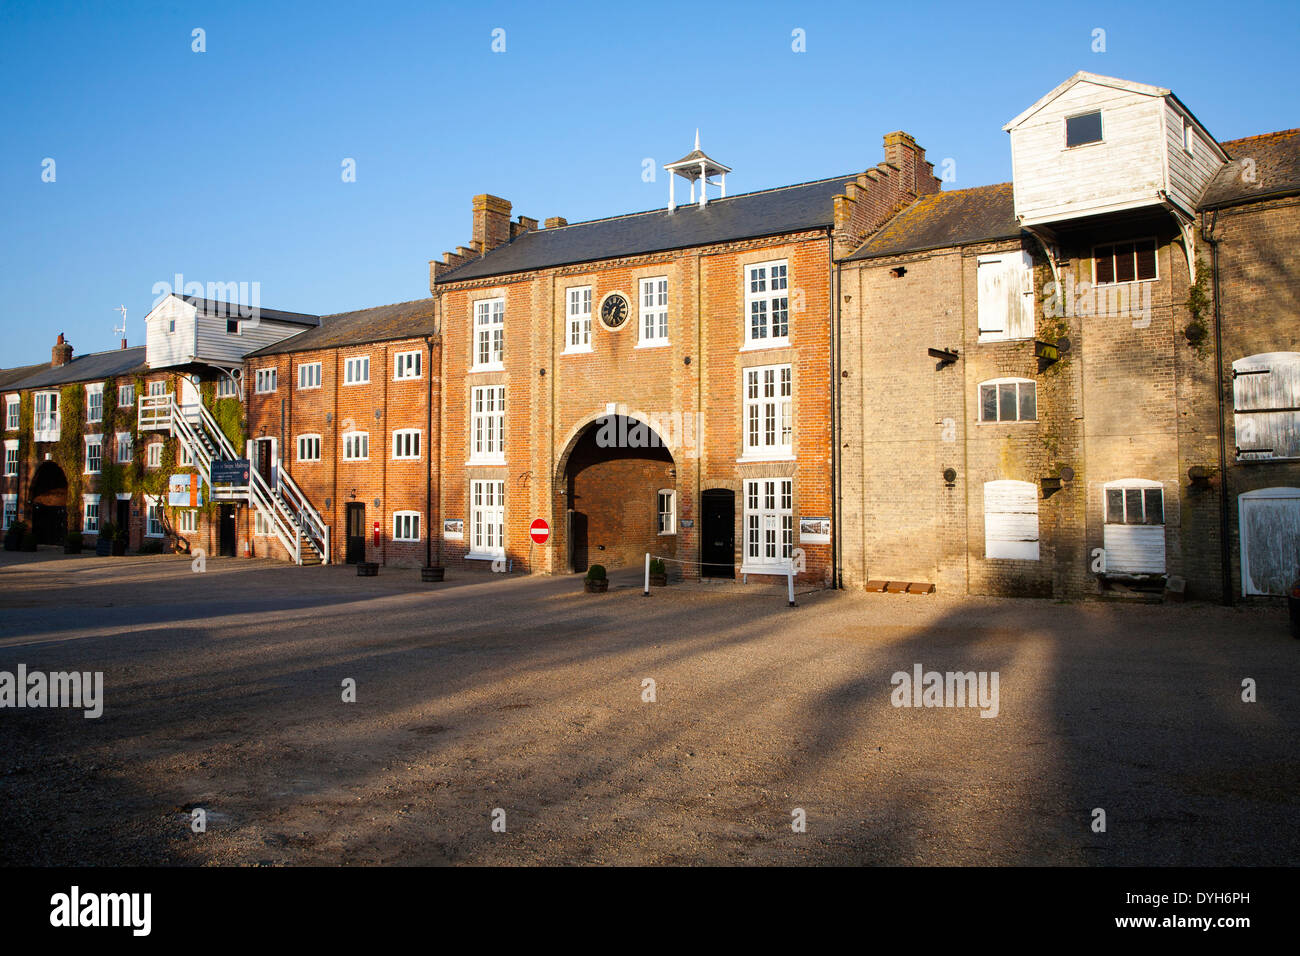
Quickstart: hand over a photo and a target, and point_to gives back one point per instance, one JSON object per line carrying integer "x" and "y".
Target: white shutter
{"x": 1270, "y": 540}
{"x": 1134, "y": 548}
{"x": 1005, "y": 291}
{"x": 1011, "y": 520}
{"x": 1266, "y": 403}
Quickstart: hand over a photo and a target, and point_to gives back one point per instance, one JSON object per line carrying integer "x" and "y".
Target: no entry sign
{"x": 540, "y": 530}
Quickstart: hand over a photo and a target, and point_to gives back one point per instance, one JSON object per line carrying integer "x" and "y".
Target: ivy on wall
{"x": 68, "y": 452}
{"x": 1198, "y": 306}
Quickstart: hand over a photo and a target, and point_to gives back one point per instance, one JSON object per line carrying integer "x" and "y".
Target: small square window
{"x": 1083, "y": 129}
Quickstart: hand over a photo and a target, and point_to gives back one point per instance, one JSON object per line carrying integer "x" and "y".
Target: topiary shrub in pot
{"x": 104, "y": 541}
{"x": 72, "y": 543}
{"x": 29, "y": 542}
{"x": 658, "y": 573}
{"x": 14, "y": 535}
{"x": 119, "y": 541}
{"x": 596, "y": 582}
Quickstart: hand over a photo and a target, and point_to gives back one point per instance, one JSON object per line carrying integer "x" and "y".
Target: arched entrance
{"x": 620, "y": 487}
{"x": 49, "y": 497}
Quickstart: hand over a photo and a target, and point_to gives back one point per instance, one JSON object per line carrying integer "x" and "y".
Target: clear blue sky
{"x": 225, "y": 165}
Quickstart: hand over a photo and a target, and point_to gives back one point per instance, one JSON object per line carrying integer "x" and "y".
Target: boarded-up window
{"x": 1270, "y": 540}
{"x": 1135, "y": 527}
{"x": 1006, "y": 296}
{"x": 1266, "y": 406}
{"x": 1011, "y": 520}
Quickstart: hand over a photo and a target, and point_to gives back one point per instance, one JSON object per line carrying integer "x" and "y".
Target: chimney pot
{"x": 61, "y": 354}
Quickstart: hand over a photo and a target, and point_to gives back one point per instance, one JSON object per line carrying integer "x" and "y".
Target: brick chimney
{"x": 878, "y": 193}
{"x": 61, "y": 354}
{"x": 908, "y": 158}
{"x": 554, "y": 222}
{"x": 491, "y": 222}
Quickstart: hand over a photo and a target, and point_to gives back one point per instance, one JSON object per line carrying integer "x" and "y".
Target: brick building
{"x": 1032, "y": 398}
{"x": 657, "y": 382}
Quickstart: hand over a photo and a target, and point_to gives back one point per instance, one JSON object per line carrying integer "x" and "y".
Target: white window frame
{"x": 87, "y": 520}
{"x": 997, "y": 384}
{"x": 408, "y": 365}
{"x": 767, "y": 293}
{"x": 766, "y": 414}
{"x": 487, "y": 425}
{"x": 183, "y": 459}
{"x": 1189, "y": 137}
{"x": 353, "y": 442}
{"x": 667, "y": 516}
{"x": 264, "y": 380}
{"x": 577, "y": 319}
{"x": 11, "y": 462}
{"x": 1113, "y": 532}
{"x": 226, "y": 387}
{"x": 261, "y": 524}
{"x": 1013, "y": 544}
{"x": 46, "y": 425}
{"x": 1065, "y": 129}
{"x": 652, "y": 322}
{"x": 406, "y": 526}
{"x": 767, "y": 529}
{"x": 153, "y": 454}
{"x": 313, "y": 442}
{"x": 1004, "y": 290}
{"x": 187, "y": 520}
{"x": 489, "y": 335}
{"x": 407, "y": 437}
{"x": 12, "y": 414}
{"x": 356, "y": 370}
{"x": 96, "y": 442}
{"x": 126, "y": 396}
{"x": 487, "y": 519}
{"x": 309, "y": 376}
{"x": 1155, "y": 260}
{"x": 92, "y": 392}
{"x": 153, "y": 516}
{"x": 122, "y": 442}
{"x": 8, "y": 511}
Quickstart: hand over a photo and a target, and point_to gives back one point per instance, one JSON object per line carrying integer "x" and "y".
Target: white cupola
{"x": 695, "y": 165}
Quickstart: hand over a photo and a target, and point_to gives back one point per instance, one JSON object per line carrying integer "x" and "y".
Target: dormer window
{"x": 1083, "y": 129}
{"x": 232, "y": 326}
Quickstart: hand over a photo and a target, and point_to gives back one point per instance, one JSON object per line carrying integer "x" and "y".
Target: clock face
{"x": 613, "y": 311}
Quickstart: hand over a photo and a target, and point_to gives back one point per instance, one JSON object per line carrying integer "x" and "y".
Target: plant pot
{"x": 12, "y": 542}
{"x": 595, "y": 587}
{"x": 367, "y": 569}
{"x": 103, "y": 547}
{"x": 119, "y": 548}
{"x": 659, "y": 580}
{"x": 432, "y": 574}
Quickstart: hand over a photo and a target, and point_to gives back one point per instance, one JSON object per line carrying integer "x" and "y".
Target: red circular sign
{"x": 540, "y": 530}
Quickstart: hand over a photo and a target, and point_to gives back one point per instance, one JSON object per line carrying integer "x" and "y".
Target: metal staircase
{"x": 296, "y": 524}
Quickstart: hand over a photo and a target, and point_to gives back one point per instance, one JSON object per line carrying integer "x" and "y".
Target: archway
{"x": 620, "y": 489}
{"x": 49, "y": 499}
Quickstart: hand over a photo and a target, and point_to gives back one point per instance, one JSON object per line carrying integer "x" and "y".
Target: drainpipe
{"x": 1225, "y": 557}
{"x": 428, "y": 472}
{"x": 836, "y": 271}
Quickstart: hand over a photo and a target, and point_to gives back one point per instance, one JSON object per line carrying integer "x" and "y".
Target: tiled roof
{"x": 746, "y": 216}
{"x": 9, "y": 376}
{"x": 1265, "y": 165}
{"x": 382, "y": 323}
{"x": 92, "y": 367}
{"x": 233, "y": 310}
{"x": 946, "y": 219}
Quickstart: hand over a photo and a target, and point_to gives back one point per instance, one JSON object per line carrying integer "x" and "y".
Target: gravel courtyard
{"x": 223, "y": 691}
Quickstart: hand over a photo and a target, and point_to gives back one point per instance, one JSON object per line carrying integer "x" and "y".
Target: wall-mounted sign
{"x": 688, "y": 522}
{"x": 183, "y": 491}
{"x": 539, "y": 530}
{"x": 232, "y": 471}
{"x": 815, "y": 530}
{"x": 453, "y": 529}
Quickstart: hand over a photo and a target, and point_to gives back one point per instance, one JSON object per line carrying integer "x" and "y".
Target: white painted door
{"x": 190, "y": 399}
{"x": 1270, "y": 540}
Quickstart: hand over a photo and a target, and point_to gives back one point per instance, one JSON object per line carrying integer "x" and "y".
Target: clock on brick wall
{"x": 614, "y": 311}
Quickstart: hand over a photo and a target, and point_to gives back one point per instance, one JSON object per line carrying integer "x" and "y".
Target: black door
{"x": 124, "y": 516}
{"x": 262, "y": 459}
{"x": 356, "y": 521}
{"x": 226, "y": 532}
{"x": 49, "y": 523}
{"x": 718, "y": 534}
{"x": 578, "y": 556}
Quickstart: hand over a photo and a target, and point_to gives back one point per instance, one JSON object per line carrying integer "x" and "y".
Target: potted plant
{"x": 104, "y": 541}
{"x": 596, "y": 582}
{"x": 432, "y": 572}
{"x": 29, "y": 542}
{"x": 72, "y": 543}
{"x": 14, "y": 536}
{"x": 658, "y": 573}
{"x": 119, "y": 542}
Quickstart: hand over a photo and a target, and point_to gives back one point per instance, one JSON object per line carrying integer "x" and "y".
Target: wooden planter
{"x": 659, "y": 580}
{"x": 367, "y": 569}
{"x": 432, "y": 574}
{"x": 103, "y": 547}
{"x": 595, "y": 587}
{"x": 119, "y": 547}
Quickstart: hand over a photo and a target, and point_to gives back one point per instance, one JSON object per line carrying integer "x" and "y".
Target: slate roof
{"x": 231, "y": 310}
{"x": 768, "y": 212}
{"x": 400, "y": 320}
{"x": 9, "y": 376}
{"x": 1276, "y": 169}
{"x": 945, "y": 219}
{"x": 92, "y": 367}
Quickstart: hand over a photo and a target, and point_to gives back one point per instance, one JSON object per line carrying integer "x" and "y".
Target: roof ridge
{"x": 386, "y": 305}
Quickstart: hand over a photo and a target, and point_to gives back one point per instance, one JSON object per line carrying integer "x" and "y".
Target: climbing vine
{"x": 1198, "y": 305}
{"x": 68, "y": 450}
